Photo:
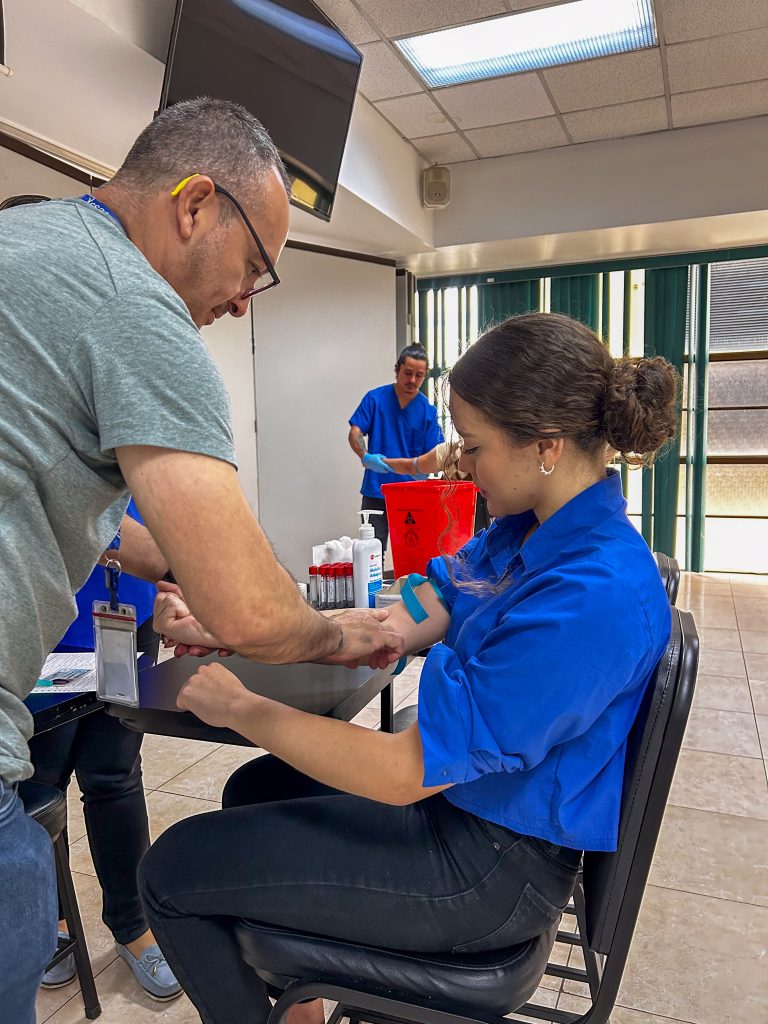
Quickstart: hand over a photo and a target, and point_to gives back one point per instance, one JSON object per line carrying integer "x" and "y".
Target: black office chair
{"x": 670, "y": 574}
{"x": 376, "y": 985}
{"x": 669, "y": 570}
{"x": 48, "y": 806}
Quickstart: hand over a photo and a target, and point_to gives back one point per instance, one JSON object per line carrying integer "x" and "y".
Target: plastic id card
{"x": 114, "y": 634}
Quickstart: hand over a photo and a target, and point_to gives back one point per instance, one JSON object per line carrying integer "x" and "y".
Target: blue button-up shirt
{"x": 394, "y": 432}
{"x": 528, "y": 702}
{"x": 132, "y": 590}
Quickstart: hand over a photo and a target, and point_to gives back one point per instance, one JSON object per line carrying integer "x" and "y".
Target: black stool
{"x": 48, "y": 806}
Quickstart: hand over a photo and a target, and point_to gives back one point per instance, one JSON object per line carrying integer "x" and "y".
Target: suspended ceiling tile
{"x": 694, "y": 19}
{"x": 516, "y": 6}
{"x": 726, "y": 104}
{"x": 415, "y": 116}
{"x": 496, "y": 101}
{"x": 615, "y": 122}
{"x": 599, "y": 83}
{"x": 384, "y": 74}
{"x": 406, "y": 17}
{"x": 444, "y": 149}
{"x": 727, "y": 60}
{"x": 522, "y": 137}
{"x": 352, "y": 23}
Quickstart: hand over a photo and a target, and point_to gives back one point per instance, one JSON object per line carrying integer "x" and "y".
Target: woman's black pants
{"x": 288, "y": 851}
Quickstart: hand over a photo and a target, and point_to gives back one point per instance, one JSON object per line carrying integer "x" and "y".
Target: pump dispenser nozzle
{"x": 366, "y": 530}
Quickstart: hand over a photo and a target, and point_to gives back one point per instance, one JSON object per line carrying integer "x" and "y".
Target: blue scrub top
{"x": 131, "y": 590}
{"x": 394, "y": 432}
{"x": 528, "y": 702}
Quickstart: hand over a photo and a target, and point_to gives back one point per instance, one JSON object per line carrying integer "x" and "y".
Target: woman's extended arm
{"x": 416, "y": 636}
{"x": 387, "y": 767}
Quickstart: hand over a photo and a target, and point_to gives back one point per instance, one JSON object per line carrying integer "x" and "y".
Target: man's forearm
{"x": 138, "y": 554}
{"x": 296, "y": 633}
{"x": 357, "y": 442}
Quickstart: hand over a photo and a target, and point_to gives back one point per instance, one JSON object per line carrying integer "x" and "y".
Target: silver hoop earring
{"x": 546, "y": 472}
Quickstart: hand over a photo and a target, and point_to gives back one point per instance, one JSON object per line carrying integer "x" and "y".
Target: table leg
{"x": 387, "y": 708}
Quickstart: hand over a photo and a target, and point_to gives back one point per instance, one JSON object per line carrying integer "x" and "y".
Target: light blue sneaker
{"x": 63, "y": 972}
{"x": 152, "y": 972}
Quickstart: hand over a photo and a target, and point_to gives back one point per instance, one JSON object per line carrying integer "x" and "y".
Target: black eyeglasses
{"x": 268, "y": 279}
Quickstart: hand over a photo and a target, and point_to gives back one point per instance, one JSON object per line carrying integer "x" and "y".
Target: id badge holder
{"x": 114, "y": 634}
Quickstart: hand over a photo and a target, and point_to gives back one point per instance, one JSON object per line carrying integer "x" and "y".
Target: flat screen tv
{"x": 286, "y": 63}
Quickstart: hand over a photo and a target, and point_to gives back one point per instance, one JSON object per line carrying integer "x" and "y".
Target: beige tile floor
{"x": 700, "y": 952}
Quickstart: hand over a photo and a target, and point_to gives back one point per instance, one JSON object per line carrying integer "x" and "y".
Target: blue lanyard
{"x": 93, "y": 201}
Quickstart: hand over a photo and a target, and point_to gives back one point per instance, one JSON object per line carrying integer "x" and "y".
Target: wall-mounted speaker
{"x": 435, "y": 186}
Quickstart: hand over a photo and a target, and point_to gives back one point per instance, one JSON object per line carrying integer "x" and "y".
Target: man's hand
{"x": 212, "y": 694}
{"x": 365, "y": 635}
{"x": 178, "y": 626}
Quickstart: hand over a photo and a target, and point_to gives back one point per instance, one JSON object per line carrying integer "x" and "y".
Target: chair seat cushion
{"x": 496, "y": 982}
{"x": 46, "y": 805}
{"x": 405, "y": 717}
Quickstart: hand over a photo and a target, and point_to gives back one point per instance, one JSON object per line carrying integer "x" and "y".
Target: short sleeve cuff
{"x": 457, "y": 745}
{"x": 439, "y": 577}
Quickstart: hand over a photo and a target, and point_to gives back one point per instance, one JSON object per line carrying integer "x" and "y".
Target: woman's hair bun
{"x": 639, "y": 407}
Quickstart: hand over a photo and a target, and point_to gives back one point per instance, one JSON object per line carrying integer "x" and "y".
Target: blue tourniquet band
{"x": 413, "y": 605}
{"x": 400, "y": 665}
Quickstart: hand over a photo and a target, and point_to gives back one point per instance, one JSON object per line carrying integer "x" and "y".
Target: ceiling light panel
{"x": 541, "y": 38}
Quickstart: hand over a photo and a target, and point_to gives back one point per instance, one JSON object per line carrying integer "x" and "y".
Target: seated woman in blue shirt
{"x": 464, "y": 832}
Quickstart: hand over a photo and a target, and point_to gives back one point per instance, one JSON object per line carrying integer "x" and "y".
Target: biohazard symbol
{"x": 411, "y": 539}
{"x": 409, "y": 520}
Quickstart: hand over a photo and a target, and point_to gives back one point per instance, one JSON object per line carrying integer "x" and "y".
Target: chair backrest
{"x": 614, "y": 882}
{"x": 669, "y": 568}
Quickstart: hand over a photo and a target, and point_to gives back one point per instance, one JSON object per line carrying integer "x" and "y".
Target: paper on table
{"x": 78, "y": 669}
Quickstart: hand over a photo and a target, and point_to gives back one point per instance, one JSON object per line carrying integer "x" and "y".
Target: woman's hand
{"x": 213, "y": 694}
{"x": 178, "y": 627}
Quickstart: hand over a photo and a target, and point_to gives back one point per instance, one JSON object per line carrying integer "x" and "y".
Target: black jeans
{"x": 106, "y": 759}
{"x": 379, "y": 523}
{"x": 290, "y": 852}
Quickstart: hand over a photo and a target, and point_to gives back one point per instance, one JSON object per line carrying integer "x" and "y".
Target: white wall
{"x": 323, "y": 338}
{"x": 20, "y": 176}
{"x": 229, "y": 341}
{"x": 669, "y": 176}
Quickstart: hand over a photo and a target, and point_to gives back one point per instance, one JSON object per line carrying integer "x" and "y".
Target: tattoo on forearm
{"x": 360, "y": 446}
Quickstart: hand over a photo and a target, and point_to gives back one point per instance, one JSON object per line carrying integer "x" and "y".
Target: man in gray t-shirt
{"x": 106, "y": 387}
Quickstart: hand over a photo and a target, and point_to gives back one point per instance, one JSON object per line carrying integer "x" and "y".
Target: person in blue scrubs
{"x": 106, "y": 759}
{"x": 399, "y": 422}
{"x": 464, "y": 832}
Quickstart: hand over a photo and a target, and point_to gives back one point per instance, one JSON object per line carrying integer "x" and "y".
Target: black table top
{"x": 320, "y": 689}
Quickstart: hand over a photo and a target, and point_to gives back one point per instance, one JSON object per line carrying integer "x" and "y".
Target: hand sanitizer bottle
{"x": 366, "y": 562}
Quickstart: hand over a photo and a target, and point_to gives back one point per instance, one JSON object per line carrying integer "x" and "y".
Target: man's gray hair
{"x": 206, "y": 136}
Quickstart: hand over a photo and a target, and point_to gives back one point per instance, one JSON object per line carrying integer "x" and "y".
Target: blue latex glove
{"x": 375, "y": 463}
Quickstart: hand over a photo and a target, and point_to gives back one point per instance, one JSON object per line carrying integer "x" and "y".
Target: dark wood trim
{"x": 325, "y": 250}
{"x": 732, "y": 515}
{"x": 737, "y": 408}
{"x": 737, "y": 356}
{"x": 733, "y": 460}
{"x": 55, "y": 163}
{"x": 737, "y": 460}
